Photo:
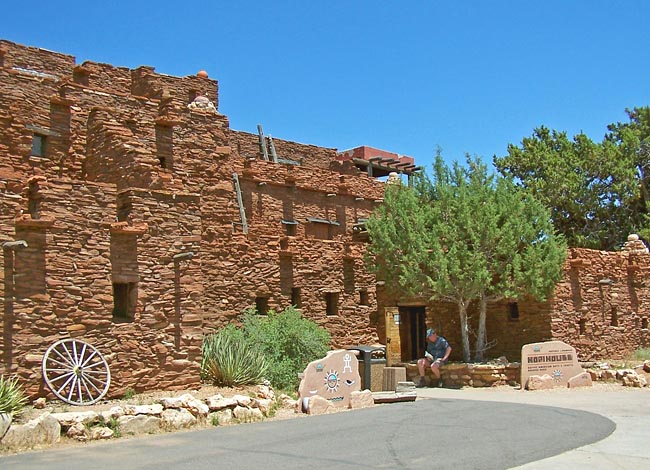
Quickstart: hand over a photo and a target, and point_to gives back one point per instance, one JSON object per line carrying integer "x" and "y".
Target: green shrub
{"x": 114, "y": 425}
{"x": 228, "y": 360}
{"x": 641, "y": 354}
{"x": 288, "y": 341}
{"x": 276, "y": 346}
{"x": 12, "y": 398}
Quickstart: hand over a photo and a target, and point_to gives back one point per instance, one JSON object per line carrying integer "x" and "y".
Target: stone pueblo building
{"x": 134, "y": 218}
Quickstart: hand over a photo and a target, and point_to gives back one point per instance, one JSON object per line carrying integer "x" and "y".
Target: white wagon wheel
{"x": 76, "y": 372}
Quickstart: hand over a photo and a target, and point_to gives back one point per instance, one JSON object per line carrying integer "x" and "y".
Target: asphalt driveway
{"x": 438, "y": 433}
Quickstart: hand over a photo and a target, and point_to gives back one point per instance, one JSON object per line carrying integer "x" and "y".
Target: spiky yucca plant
{"x": 12, "y": 398}
{"x": 227, "y": 360}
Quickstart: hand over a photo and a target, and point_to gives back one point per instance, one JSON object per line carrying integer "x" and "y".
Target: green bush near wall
{"x": 279, "y": 344}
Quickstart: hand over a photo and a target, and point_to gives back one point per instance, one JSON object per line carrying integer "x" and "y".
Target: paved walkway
{"x": 626, "y": 448}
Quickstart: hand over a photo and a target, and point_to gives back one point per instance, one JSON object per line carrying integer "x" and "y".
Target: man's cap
{"x": 430, "y": 332}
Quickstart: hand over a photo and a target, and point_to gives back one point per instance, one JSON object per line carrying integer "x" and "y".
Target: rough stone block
{"x": 172, "y": 419}
{"x": 44, "y": 430}
{"x": 72, "y": 417}
{"x": 361, "y": 399}
{"x": 155, "y": 409}
{"x": 317, "y": 405}
{"x": 543, "y": 382}
{"x": 140, "y": 424}
{"x": 580, "y": 380}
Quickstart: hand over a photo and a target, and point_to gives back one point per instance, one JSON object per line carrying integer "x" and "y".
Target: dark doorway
{"x": 412, "y": 331}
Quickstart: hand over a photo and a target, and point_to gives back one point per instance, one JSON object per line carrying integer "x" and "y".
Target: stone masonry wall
{"x": 135, "y": 187}
{"x": 600, "y": 307}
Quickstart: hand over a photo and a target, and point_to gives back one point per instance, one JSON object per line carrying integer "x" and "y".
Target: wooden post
{"x": 240, "y": 202}
{"x": 274, "y": 155}
{"x": 265, "y": 153}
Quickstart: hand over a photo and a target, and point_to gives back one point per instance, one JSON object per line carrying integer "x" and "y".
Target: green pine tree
{"x": 464, "y": 236}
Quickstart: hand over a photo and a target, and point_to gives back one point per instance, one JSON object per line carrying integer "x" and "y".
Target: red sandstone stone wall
{"x": 248, "y": 146}
{"x": 105, "y": 209}
{"x": 32, "y": 58}
{"x": 601, "y": 306}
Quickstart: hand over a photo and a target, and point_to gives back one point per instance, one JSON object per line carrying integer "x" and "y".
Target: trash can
{"x": 370, "y": 369}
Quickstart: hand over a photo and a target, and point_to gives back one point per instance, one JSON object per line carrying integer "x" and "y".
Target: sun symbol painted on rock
{"x": 557, "y": 374}
{"x": 332, "y": 381}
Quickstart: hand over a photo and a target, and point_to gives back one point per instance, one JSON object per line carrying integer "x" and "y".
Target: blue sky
{"x": 404, "y": 76}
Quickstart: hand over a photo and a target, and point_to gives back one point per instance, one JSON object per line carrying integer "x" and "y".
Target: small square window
{"x": 290, "y": 227}
{"x": 513, "y": 309}
{"x": 125, "y": 297}
{"x": 582, "y": 326}
{"x": 364, "y": 298}
{"x": 38, "y": 146}
{"x": 295, "y": 297}
{"x": 331, "y": 303}
{"x": 262, "y": 305}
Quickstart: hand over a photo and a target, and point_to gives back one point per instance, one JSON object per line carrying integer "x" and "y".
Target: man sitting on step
{"x": 436, "y": 354}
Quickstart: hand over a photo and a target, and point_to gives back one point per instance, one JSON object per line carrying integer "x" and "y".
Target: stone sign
{"x": 334, "y": 378}
{"x": 554, "y": 358}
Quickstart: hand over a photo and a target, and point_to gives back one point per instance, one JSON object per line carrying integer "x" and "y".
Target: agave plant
{"x": 228, "y": 360}
{"x": 12, "y": 398}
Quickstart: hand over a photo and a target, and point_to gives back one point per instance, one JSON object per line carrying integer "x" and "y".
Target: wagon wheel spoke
{"x": 60, "y": 377}
{"x": 76, "y": 372}
{"x": 91, "y": 382}
{"x": 89, "y": 392}
{"x": 67, "y": 360}
{"x": 68, "y": 354}
{"x": 70, "y": 379}
{"x": 88, "y": 359}
{"x": 71, "y": 391}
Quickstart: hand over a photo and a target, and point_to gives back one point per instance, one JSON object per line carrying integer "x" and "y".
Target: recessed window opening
{"x": 125, "y": 296}
{"x": 614, "y": 317}
{"x": 582, "y": 324}
{"x": 262, "y": 305}
{"x": 290, "y": 227}
{"x": 38, "y": 146}
{"x": 124, "y": 208}
{"x": 296, "y": 300}
{"x": 322, "y": 229}
{"x": 331, "y": 303}
{"x": 364, "y": 298}
{"x": 164, "y": 146}
{"x": 513, "y": 310}
{"x": 644, "y": 323}
{"x": 33, "y": 201}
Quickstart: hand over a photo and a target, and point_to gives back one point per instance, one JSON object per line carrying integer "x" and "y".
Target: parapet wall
{"x": 601, "y": 305}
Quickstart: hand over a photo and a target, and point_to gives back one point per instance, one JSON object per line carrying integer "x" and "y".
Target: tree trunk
{"x": 464, "y": 330}
{"x": 481, "y": 337}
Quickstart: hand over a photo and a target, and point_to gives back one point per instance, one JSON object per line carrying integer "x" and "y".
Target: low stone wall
{"x": 459, "y": 374}
{"x": 165, "y": 415}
